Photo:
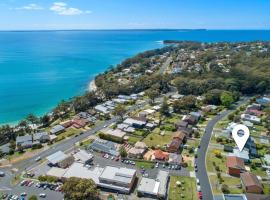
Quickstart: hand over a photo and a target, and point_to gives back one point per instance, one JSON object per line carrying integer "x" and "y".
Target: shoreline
{"x": 92, "y": 86}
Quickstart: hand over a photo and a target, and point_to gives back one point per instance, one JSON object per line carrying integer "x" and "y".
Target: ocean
{"x": 41, "y": 68}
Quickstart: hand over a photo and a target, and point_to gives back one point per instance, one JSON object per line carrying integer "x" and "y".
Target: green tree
{"x": 120, "y": 110}
{"x": 152, "y": 94}
{"x": 80, "y": 189}
{"x": 123, "y": 152}
{"x": 164, "y": 107}
{"x": 226, "y": 98}
{"x": 32, "y": 119}
{"x": 33, "y": 197}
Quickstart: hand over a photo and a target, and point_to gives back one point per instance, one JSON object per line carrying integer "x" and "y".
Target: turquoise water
{"x": 38, "y": 69}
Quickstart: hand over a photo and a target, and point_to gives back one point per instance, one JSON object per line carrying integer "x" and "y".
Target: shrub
{"x": 225, "y": 189}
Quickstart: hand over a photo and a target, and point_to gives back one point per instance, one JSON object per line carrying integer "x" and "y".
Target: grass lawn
{"x": 139, "y": 132}
{"x": 70, "y": 132}
{"x": 154, "y": 138}
{"x": 186, "y": 191}
{"x": 145, "y": 165}
{"x": 211, "y": 158}
{"x": 133, "y": 140}
{"x": 232, "y": 182}
{"x": 266, "y": 189}
{"x": 258, "y": 171}
{"x": 172, "y": 119}
{"x": 87, "y": 142}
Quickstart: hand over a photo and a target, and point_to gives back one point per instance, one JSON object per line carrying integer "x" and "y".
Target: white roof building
{"x": 83, "y": 157}
{"x": 155, "y": 187}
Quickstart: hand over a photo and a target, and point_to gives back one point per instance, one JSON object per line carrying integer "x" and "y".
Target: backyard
{"x": 155, "y": 138}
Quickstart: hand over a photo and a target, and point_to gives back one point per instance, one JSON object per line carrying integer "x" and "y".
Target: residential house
{"x": 181, "y": 124}
{"x": 235, "y": 165}
{"x": 57, "y": 129}
{"x": 102, "y": 109}
{"x": 5, "y": 148}
{"x": 251, "y": 146}
{"x": 190, "y": 119}
{"x": 255, "y": 112}
{"x": 267, "y": 159}
{"x": 177, "y": 141}
{"x": 251, "y": 183}
{"x": 264, "y": 101}
{"x": 79, "y": 123}
{"x": 25, "y": 141}
{"x": 159, "y": 155}
{"x": 197, "y": 115}
{"x": 135, "y": 122}
{"x": 105, "y": 146}
{"x": 67, "y": 124}
{"x": 138, "y": 150}
{"x": 42, "y": 137}
{"x": 250, "y": 196}
{"x": 187, "y": 131}
{"x": 252, "y": 118}
{"x": 244, "y": 154}
{"x": 175, "y": 159}
{"x": 115, "y": 134}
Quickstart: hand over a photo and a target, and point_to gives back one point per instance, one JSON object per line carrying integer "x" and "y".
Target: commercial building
{"x": 83, "y": 157}
{"x": 154, "y": 188}
{"x": 113, "y": 178}
{"x": 60, "y": 159}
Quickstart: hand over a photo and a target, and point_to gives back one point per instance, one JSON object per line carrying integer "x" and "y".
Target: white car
{"x": 198, "y": 188}
{"x": 198, "y": 181}
{"x": 42, "y": 195}
{"x": 23, "y": 194}
{"x": 38, "y": 159}
{"x": 268, "y": 172}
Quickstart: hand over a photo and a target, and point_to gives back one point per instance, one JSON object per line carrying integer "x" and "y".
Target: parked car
{"x": 42, "y": 195}
{"x": 2, "y": 174}
{"x": 38, "y": 159}
{"x": 23, "y": 194}
{"x": 200, "y": 195}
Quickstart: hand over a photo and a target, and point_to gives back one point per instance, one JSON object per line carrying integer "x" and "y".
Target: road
{"x": 165, "y": 65}
{"x": 201, "y": 159}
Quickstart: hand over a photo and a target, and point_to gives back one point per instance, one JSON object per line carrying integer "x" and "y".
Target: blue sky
{"x": 134, "y": 14}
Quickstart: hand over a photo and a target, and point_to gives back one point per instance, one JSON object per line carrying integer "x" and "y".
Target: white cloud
{"x": 62, "y": 8}
{"x": 30, "y": 6}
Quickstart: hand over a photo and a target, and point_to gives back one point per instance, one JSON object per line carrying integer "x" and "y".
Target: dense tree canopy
{"x": 80, "y": 189}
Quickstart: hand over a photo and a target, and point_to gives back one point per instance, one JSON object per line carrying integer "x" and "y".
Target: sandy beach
{"x": 92, "y": 86}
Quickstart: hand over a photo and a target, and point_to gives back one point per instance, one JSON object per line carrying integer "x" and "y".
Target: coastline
{"x": 92, "y": 86}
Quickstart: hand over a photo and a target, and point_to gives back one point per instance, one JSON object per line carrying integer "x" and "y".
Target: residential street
{"x": 201, "y": 159}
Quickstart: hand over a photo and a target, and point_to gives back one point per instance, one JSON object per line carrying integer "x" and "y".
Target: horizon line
{"x": 133, "y": 29}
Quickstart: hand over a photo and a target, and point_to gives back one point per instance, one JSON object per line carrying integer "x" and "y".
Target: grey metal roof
{"x": 105, "y": 146}
{"x": 57, "y": 129}
{"x": 56, "y": 157}
{"x": 25, "y": 138}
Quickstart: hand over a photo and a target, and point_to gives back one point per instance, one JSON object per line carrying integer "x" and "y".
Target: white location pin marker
{"x": 240, "y": 135}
